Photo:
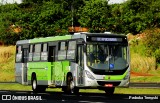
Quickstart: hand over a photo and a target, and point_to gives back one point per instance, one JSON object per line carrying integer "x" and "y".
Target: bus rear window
{"x": 19, "y": 54}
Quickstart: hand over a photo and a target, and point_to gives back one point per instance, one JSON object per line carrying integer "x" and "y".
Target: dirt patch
{"x": 140, "y": 74}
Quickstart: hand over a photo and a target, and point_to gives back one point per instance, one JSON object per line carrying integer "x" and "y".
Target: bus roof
{"x": 105, "y": 34}
{"x": 45, "y": 39}
{"x": 65, "y": 37}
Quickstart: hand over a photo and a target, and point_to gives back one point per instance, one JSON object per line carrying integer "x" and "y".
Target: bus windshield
{"x": 107, "y": 57}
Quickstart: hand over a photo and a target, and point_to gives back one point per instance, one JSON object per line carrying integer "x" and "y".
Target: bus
{"x": 73, "y": 62}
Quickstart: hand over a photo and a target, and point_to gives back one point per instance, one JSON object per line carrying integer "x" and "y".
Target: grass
{"x": 144, "y": 65}
{"x": 140, "y": 62}
{"x": 7, "y": 57}
{"x": 20, "y": 87}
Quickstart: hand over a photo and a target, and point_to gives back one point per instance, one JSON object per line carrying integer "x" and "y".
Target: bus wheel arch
{"x": 69, "y": 83}
{"x": 33, "y": 75}
{"x": 70, "y": 87}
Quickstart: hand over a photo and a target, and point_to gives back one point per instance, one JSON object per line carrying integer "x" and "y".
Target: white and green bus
{"x": 73, "y": 62}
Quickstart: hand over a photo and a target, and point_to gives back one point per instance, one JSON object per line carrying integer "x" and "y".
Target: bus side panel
{"x": 75, "y": 73}
{"x": 66, "y": 69}
{"x": 18, "y": 72}
{"x": 41, "y": 70}
{"x": 61, "y": 69}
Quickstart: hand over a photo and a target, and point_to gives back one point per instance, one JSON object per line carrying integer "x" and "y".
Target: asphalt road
{"x": 60, "y": 97}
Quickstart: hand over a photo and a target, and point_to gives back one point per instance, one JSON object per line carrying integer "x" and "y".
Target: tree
{"x": 49, "y": 19}
{"x": 9, "y": 14}
{"x": 94, "y": 15}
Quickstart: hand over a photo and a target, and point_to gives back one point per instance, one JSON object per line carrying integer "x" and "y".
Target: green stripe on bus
{"x": 116, "y": 77}
{"x": 56, "y": 38}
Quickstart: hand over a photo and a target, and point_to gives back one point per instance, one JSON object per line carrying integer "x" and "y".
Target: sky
{"x": 116, "y": 1}
{"x": 10, "y": 1}
{"x": 19, "y": 1}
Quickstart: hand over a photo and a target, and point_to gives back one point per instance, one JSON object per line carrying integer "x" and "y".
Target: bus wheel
{"x": 109, "y": 90}
{"x": 70, "y": 86}
{"x": 34, "y": 84}
{"x": 37, "y": 88}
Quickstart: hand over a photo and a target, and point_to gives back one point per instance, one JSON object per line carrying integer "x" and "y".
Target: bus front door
{"x": 80, "y": 64}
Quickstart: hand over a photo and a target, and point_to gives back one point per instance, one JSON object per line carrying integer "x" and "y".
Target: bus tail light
{"x": 89, "y": 75}
{"x": 108, "y": 85}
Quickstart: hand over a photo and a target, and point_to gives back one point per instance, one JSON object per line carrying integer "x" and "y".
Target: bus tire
{"x": 34, "y": 84}
{"x": 109, "y": 90}
{"x": 37, "y": 88}
{"x": 70, "y": 88}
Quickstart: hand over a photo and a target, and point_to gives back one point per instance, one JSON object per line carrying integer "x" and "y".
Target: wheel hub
{"x": 72, "y": 85}
{"x": 34, "y": 84}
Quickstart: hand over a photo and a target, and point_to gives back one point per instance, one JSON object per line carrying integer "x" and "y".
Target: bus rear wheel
{"x": 37, "y": 88}
{"x": 70, "y": 88}
{"x": 109, "y": 90}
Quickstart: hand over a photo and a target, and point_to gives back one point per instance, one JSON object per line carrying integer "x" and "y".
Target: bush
{"x": 152, "y": 43}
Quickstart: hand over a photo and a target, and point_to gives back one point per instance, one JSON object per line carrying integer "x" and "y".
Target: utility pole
{"x": 72, "y": 9}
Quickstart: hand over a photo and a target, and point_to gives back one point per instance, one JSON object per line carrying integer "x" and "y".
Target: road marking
{"x": 3, "y": 91}
{"x": 84, "y": 101}
{"x": 21, "y": 92}
{"x": 68, "y": 95}
{"x": 90, "y": 102}
{"x": 97, "y": 96}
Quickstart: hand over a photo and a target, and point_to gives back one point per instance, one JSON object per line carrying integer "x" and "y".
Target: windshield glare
{"x": 107, "y": 57}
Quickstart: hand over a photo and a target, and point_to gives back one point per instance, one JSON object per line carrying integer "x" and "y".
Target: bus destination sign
{"x": 106, "y": 39}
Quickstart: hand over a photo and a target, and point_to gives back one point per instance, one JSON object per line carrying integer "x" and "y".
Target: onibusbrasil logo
{"x": 14, "y": 97}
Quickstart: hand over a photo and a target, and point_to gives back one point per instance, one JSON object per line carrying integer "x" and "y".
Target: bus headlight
{"x": 89, "y": 75}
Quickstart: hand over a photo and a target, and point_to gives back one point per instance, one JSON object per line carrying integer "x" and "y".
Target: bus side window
{"x": 71, "y": 50}
{"x": 30, "y": 52}
{"x": 44, "y": 53}
{"x": 37, "y": 51}
{"x": 62, "y": 50}
{"x": 19, "y": 54}
{"x": 62, "y": 46}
